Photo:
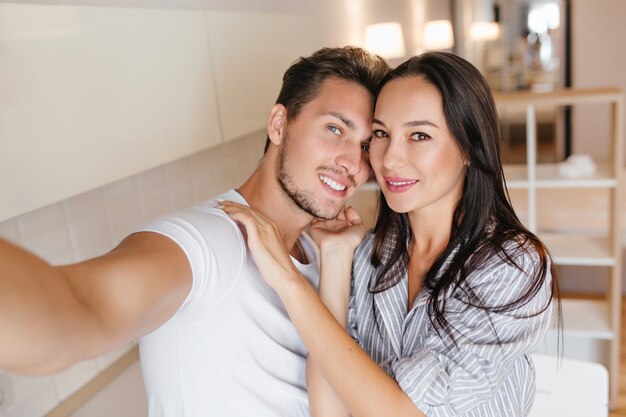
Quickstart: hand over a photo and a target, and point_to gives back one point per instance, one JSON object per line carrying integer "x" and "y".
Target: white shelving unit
{"x": 584, "y": 321}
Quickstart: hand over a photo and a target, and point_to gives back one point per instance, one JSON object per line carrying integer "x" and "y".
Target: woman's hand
{"x": 357, "y": 380}
{"x": 344, "y": 232}
{"x": 265, "y": 244}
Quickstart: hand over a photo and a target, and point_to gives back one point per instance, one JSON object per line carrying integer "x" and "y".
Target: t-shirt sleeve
{"x": 214, "y": 247}
{"x": 444, "y": 379}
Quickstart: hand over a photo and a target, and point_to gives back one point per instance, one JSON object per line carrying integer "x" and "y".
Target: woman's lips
{"x": 399, "y": 185}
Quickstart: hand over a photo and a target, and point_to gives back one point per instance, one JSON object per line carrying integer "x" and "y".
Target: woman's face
{"x": 417, "y": 162}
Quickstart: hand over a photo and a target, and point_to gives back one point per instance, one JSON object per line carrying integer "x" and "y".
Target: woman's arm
{"x": 337, "y": 240}
{"x": 334, "y": 290}
{"x": 363, "y": 386}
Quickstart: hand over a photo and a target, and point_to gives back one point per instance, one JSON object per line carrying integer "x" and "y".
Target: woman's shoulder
{"x": 362, "y": 264}
{"x": 520, "y": 269}
{"x": 365, "y": 248}
{"x": 523, "y": 249}
{"x": 515, "y": 256}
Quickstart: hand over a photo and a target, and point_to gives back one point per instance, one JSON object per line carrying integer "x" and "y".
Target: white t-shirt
{"x": 230, "y": 350}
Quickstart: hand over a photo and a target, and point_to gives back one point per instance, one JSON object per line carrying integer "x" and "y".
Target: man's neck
{"x": 263, "y": 193}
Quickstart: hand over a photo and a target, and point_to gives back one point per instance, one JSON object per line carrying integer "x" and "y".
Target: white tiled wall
{"x": 92, "y": 223}
{"x": 118, "y": 399}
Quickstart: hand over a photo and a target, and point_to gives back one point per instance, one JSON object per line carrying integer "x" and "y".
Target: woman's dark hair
{"x": 484, "y": 219}
{"x": 304, "y": 78}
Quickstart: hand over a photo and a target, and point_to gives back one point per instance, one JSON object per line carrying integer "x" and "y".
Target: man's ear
{"x": 277, "y": 124}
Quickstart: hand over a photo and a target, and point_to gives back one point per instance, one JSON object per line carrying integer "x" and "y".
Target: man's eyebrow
{"x": 341, "y": 117}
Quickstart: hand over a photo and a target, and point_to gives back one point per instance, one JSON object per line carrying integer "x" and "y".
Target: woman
{"x": 450, "y": 292}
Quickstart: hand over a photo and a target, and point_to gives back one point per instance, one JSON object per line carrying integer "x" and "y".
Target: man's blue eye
{"x": 335, "y": 130}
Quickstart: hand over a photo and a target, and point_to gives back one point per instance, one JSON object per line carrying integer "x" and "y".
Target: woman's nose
{"x": 394, "y": 155}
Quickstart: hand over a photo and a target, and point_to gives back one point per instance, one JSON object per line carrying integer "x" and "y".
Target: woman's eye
{"x": 377, "y": 133}
{"x": 335, "y": 130}
{"x": 419, "y": 136}
{"x": 365, "y": 147}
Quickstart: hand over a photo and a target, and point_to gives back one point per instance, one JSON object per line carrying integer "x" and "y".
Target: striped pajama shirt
{"x": 478, "y": 377}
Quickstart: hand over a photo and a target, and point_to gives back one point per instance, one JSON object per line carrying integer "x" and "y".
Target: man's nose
{"x": 350, "y": 159}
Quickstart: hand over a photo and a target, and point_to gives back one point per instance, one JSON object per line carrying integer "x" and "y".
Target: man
{"x": 215, "y": 340}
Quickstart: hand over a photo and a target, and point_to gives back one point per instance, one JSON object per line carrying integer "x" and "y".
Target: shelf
{"x": 569, "y": 249}
{"x": 521, "y": 100}
{"x": 585, "y": 318}
{"x": 548, "y": 177}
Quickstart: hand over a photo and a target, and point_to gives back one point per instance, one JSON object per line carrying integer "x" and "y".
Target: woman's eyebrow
{"x": 411, "y": 123}
{"x": 414, "y": 123}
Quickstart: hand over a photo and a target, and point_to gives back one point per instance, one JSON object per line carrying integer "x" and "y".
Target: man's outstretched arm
{"x": 52, "y": 317}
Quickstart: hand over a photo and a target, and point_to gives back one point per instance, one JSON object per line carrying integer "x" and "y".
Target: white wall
{"x": 94, "y": 94}
{"x": 90, "y": 95}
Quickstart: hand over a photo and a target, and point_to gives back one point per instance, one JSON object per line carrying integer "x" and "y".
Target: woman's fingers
{"x": 238, "y": 213}
{"x": 265, "y": 244}
{"x": 257, "y": 229}
{"x": 352, "y": 216}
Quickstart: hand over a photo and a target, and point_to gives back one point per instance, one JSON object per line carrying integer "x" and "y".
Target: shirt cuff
{"x": 423, "y": 378}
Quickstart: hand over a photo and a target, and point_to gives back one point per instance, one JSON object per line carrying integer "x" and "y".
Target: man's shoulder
{"x": 212, "y": 207}
{"x": 203, "y": 222}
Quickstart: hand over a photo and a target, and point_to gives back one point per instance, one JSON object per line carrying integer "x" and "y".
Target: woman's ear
{"x": 466, "y": 160}
{"x": 277, "y": 123}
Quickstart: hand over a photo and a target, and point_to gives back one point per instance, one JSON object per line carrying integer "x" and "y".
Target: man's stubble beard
{"x": 304, "y": 200}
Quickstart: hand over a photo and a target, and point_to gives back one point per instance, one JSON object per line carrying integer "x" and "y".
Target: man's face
{"x": 321, "y": 160}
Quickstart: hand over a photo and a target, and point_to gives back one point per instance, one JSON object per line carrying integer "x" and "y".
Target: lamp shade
{"x": 484, "y": 31}
{"x": 385, "y": 39}
{"x": 438, "y": 35}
